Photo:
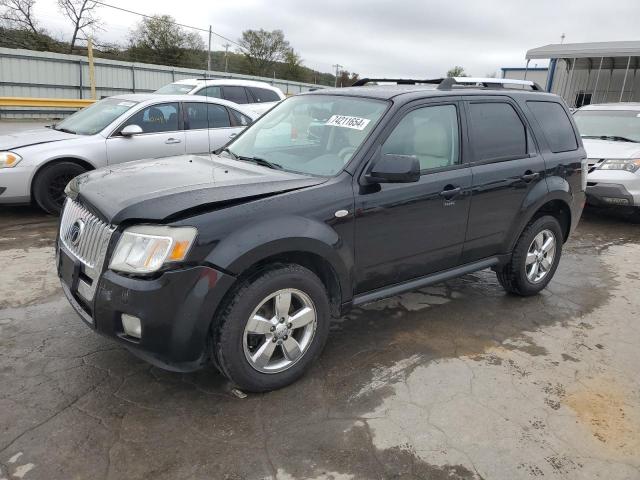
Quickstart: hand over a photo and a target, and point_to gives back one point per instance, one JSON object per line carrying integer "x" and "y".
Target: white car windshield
{"x": 176, "y": 89}
{"x": 95, "y": 118}
{"x": 617, "y": 125}
{"x": 314, "y": 134}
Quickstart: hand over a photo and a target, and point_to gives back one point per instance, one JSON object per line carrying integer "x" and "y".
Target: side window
{"x": 555, "y": 125}
{"x": 239, "y": 118}
{"x": 156, "y": 118}
{"x": 235, "y": 94}
{"x": 428, "y": 133}
{"x": 264, "y": 95}
{"x": 498, "y": 132}
{"x": 196, "y": 116}
{"x": 218, "y": 116}
{"x": 210, "y": 92}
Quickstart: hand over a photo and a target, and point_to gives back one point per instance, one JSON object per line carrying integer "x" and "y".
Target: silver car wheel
{"x": 279, "y": 331}
{"x": 540, "y": 256}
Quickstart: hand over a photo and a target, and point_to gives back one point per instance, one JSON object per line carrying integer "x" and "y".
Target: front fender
{"x": 258, "y": 241}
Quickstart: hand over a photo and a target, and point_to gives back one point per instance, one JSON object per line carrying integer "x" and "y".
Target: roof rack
{"x": 454, "y": 82}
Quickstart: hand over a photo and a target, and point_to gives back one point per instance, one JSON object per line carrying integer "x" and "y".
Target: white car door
{"x": 161, "y": 135}
{"x": 222, "y": 126}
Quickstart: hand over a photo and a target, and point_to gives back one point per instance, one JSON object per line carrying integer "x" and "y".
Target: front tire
{"x": 535, "y": 258}
{"x": 50, "y": 182}
{"x": 272, "y": 327}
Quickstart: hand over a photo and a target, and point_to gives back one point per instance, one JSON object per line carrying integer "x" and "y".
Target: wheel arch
{"x": 87, "y": 165}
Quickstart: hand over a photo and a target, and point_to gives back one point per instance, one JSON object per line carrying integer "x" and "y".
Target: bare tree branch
{"x": 19, "y": 14}
{"x": 82, "y": 14}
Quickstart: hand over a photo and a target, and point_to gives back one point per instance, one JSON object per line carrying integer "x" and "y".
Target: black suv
{"x": 332, "y": 199}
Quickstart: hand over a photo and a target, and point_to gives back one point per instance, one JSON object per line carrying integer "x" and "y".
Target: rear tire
{"x": 49, "y": 184}
{"x": 271, "y": 328}
{"x": 535, "y": 258}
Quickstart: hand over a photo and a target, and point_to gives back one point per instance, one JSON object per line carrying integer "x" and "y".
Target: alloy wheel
{"x": 540, "y": 256}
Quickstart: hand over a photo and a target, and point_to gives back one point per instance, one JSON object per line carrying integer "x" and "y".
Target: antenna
{"x": 562, "y": 38}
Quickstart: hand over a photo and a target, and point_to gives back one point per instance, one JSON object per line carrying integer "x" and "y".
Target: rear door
{"x": 405, "y": 231}
{"x": 162, "y": 135}
{"x": 506, "y": 167}
{"x": 208, "y": 126}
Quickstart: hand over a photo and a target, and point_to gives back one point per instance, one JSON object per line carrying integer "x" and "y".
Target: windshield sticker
{"x": 344, "y": 121}
{"x": 126, "y": 104}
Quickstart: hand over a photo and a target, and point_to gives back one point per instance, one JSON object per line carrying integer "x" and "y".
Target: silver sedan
{"x": 36, "y": 165}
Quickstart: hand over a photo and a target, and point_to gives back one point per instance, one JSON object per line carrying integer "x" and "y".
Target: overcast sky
{"x": 419, "y": 38}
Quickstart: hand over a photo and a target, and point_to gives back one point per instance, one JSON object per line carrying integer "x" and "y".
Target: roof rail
{"x": 398, "y": 81}
{"x": 451, "y": 82}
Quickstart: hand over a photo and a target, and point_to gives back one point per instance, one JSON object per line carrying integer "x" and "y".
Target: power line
{"x": 175, "y": 23}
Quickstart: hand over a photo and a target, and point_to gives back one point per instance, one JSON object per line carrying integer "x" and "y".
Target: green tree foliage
{"x": 456, "y": 71}
{"x": 262, "y": 49}
{"x": 346, "y": 79}
{"x": 159, "y": 40}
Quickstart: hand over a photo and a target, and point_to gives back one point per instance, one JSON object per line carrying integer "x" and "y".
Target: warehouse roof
{"x": 584, "y": 50}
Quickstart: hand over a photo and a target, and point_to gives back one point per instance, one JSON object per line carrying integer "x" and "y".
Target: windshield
{"x": 95, "y": 118}
{"x": 315, "y": 134}
{"x": 621, "y": 125}
{"x": 176, "y": 89}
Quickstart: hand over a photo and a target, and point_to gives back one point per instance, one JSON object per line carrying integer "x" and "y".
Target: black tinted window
{"x": 498, "y": 132}
{"x": 264, "y": 95}
{"x": 235, "y": 94}
{"x": 555, "y": 124}
{"x": 240, "y": 119}
{"x": 156, "y": 118}
{"x": 218, "y": 116}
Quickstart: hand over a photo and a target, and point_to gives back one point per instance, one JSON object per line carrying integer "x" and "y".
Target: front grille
{"x": 84, "y": 235}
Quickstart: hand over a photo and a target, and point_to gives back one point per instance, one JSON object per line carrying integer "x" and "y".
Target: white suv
{"x": 611, "y": 137}
{"x": 256, "y": 96}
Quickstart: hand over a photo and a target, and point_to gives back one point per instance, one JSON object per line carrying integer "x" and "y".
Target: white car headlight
{"x": 146, "y": 248}
{"x": 9, "y": 159}
{"x": 628, "y": 164}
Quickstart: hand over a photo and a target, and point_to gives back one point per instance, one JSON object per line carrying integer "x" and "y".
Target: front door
{"x": 405, "y": 231}
{"x": 506, "y": 169}
{"x": 162, "y": 135}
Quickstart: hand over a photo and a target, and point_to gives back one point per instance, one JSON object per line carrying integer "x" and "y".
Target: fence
{"x": 27, "y": 73}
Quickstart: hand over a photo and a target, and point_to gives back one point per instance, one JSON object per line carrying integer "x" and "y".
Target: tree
{"x": 293, "y": 65}
{"x": 159, "y": 39}
{"x": 18, "y": 14}
{"x": 456, "y": 71}
{"x": 346, "y": 79}
{"x": 262, "y": 49}
{"x": 82, "y": 14}
{"x": 19, "y": 27}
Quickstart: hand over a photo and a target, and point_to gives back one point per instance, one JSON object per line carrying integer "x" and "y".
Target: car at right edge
{"x": 611, "y": 136}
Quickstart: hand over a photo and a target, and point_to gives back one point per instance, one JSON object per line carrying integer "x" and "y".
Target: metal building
{"x": 599, "y": 72}
{"x": 535, "y": 74}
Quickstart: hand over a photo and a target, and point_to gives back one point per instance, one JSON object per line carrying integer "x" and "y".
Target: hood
{"x": 609, "y": 149}
{"x": 32, "y": 137}
{"x": 162, "y": 188}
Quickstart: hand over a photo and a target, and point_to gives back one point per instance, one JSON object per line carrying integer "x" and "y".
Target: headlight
{"x": 630, "y": 165}
{"x": 9, "y": 159}
{"x": 146, "y": 248}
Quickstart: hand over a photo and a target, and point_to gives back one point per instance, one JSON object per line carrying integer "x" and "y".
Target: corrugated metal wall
{"x": 26, "y": 73}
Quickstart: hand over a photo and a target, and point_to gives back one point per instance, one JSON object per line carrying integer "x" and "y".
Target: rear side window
{"x": 218, "y": 116}
{"x": 235, "y": 94}
{"x": 239, "y": 118}
{"x": 264, "y": 95}
{"x": 498, "y": 132}
{"x": 555, "y": 125}
{"x": 201, "y": 115}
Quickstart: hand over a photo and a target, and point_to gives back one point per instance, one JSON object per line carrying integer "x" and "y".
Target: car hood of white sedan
{"x": 609, "y": 149}
{"x": 37, "y": 136}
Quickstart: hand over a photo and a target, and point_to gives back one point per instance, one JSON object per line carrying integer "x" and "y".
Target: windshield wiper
{"x": 615, "y": 138}
{"x": 233, "y": 155}
{"x": 260, "y": 161}
{"x": 65, "y": 130}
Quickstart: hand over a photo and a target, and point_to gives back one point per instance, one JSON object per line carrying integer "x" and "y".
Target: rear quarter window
{"x": 264, "y": 95}
{"x": 555, "y": 125}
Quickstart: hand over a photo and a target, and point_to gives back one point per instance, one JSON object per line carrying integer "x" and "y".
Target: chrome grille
{"x": 90, "y": 245}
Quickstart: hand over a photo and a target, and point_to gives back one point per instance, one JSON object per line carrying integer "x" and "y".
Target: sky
{"x": 401, "y": 38}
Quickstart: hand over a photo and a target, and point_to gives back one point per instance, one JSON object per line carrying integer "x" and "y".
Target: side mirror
{"x": 392, "y": 168}
{"x": 131, "y": 130}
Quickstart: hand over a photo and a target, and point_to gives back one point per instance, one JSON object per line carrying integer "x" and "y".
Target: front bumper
{"x": 175, "y": 309}
{"x": 613, "y": 188}
{"x": 15, "y": 185}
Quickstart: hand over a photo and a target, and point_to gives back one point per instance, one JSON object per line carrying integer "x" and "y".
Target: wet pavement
{"x": 456, "y": 381}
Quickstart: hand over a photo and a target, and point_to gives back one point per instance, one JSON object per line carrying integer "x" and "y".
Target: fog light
{"x": 131, "y": 325}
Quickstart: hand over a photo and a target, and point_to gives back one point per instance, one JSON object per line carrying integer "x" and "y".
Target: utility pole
{"x": 209, "y": 52}
{"x": 562, "y": 38}
{"x": 92, "y": 71}
{"x": 338, "y": 66}
{"x": 226, "y": 56}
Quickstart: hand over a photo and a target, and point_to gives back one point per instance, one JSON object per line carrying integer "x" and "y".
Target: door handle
{"x": 529, "y": 176}
{"x": 172, "y": 140}
{"x": 450, "y": 191}
{"x": 233, "y": 135}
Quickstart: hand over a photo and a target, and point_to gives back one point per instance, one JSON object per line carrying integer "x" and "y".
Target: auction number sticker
{"x": 345, "y": 121}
